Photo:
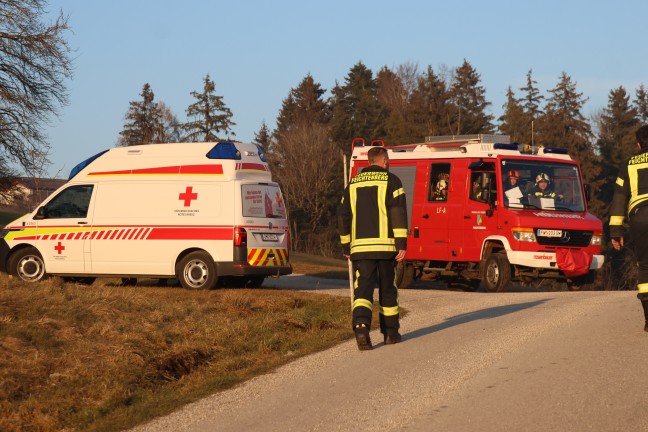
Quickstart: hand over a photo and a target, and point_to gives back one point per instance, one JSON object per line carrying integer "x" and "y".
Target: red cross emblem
{"x": 188, "y": 196}
{"x": 59, "y": 248}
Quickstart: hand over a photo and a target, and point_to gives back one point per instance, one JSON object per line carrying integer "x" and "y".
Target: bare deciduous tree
{"x": 34, "y": 64}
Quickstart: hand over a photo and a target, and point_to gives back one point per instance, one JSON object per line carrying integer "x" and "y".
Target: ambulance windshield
{"x": 542, "y": 185}
{"x": 262, "y": 200}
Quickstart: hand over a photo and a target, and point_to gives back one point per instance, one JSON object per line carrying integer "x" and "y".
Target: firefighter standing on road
{"x": 631, "y": 199}
{"x": 372, "y": 220}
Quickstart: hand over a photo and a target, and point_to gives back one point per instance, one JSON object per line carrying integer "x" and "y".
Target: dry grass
{"x": 104, "y": 357}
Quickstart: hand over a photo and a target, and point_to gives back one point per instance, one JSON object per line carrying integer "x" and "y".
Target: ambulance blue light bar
{"x": 501, "y": 146}
{"x": 262, "y": 154}
{"x": 224, "y": 150}
{"x": 84, "y": 164}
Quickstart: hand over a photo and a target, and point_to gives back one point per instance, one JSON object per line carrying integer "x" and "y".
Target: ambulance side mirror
{"x": 587, "y": 192}
{"x": 40, "y": 213}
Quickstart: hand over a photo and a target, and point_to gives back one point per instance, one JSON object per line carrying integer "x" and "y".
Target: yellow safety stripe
{"x": 358, "y": 249}
{"x": 389, "y": 311}
{"x": 362, "y": 303}
{"x": 620, "y": 181}
{"x": 382, "y": 211}
{"x": 370, "y": 241}
{"x": 344, "y": 239}
{"x": 398, "y": 192}
{"x": 400, "y": 232}
{"x": 355, "y": 279}
{"x": 643, "y": 288}
{"x": 616, "y": 220}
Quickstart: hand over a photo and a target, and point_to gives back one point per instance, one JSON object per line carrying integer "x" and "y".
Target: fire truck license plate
{"x": 549, "y": 233}
{"x": 269, "y": 237}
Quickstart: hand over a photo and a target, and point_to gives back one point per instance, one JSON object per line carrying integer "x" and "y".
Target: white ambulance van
{"x": 191, "y": 211}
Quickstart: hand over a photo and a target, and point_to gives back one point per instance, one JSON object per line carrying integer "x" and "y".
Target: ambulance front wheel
{"x": 28, "y": 265}
{"x": 197, "y": 271}
{"x": 497, "y": 273}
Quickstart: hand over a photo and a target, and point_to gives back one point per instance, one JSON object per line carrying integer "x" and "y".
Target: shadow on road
{"x": 488, "y": 313}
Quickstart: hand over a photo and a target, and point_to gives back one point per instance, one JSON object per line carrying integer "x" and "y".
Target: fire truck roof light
{"x": 224, "y": 150}
{"x": 84, "y": 164}
{"x": 501, "y": 146}
{"x": 555, "y": 150}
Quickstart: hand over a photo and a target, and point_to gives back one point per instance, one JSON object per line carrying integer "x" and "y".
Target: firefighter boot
{"x": 644, "y": 303}
{"x": 393, "y": 338}
{"x": 362, "y": 337}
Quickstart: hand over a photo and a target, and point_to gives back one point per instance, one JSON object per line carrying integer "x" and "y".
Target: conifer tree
{"x": 429, "y": 106}
{"x": 300, "y": 143}
{"x": 641, "y": 103}
{"x": 393, "y": 97}
{"x": 208, "y": 116}
{"x": 532, "y": 109}
{"x": 263, "y": 137}
{"x": 469, "y": 102}
{"x": 616, "y": 143}
{"x": 514, "y": 120}
{"x": 304, "y": 105}
{"x": 563, "y": 125}
{"x": 356, "y": 110}
{"x": 143, "y": 121}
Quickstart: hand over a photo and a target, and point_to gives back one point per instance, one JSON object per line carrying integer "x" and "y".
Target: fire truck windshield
{"x": 542, "y": 185}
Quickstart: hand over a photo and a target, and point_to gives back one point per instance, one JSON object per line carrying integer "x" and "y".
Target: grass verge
{"x": 104, "y": 358}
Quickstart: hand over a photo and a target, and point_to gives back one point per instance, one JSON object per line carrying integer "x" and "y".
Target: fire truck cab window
{"x": 439, "y": 185}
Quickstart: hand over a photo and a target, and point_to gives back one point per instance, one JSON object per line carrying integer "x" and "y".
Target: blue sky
{"x": 256, "y": 51}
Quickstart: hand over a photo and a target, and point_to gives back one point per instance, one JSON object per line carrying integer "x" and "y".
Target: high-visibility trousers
{"x": 368, "y": 274}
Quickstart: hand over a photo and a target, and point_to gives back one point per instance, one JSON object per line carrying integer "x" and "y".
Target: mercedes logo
{"x": 565, "y": 237}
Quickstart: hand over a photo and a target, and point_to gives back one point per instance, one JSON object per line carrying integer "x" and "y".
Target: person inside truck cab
{"x": 441, "y": 191}
{"x": 512, "y": 180}
{"x": 542, "y": 188}
{"x": 476, "y": 193}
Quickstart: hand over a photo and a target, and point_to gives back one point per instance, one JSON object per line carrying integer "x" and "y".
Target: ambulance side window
{"x": 439, "y": 185}
{"x": 72, "y": 202}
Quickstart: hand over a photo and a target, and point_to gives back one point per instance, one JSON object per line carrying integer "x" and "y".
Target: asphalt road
{"x": 519, "y": 361}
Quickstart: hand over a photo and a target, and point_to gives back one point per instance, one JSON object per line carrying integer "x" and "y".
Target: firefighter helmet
{"x": 513, "y": 174}
{"x": 441, "y": 185}
{"x": 542, "y": 177}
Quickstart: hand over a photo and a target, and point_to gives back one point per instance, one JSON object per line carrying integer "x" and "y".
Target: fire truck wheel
{"x": 197, "y": 271}
{"x": 28, "y": 265}
{"x": 404, "y": 274}
{"x": 497, "y": 274}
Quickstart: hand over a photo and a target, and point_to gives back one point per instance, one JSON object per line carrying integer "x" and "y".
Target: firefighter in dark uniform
{"x": 372, "y": 220}
{"x": 631, "y": 199}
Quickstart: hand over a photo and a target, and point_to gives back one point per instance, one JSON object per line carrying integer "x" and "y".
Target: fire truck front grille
{"x": 568, "y": 238}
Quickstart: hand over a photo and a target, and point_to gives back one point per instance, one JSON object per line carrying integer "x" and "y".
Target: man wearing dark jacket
{"x": 372, "y": 220}
{"x": 631, "y": 199}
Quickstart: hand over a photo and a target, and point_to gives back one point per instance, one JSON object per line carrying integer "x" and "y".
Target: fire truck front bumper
{"x": 545, "y": 259}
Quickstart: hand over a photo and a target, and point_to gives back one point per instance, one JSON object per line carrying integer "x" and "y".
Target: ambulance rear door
{"x": 265, "y": 225}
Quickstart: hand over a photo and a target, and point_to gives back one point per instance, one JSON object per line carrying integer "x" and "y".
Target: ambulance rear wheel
{"x": 28, "y": 265}
{"x": 404, "y": 274}
{"x": 497, "y": 273}
{"x": 197, "y": 271}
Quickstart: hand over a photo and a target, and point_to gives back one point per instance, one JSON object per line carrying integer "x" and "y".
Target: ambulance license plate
{"x": 549, "y": 233}
{"x": 269, "y": 237}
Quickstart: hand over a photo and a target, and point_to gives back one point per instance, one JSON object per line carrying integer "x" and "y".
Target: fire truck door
{"x": 479, "y": 222}
{"x": 431, "y": 214}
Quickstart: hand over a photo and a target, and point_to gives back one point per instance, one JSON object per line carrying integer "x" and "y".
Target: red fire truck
{"x": 484, "y": 210}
